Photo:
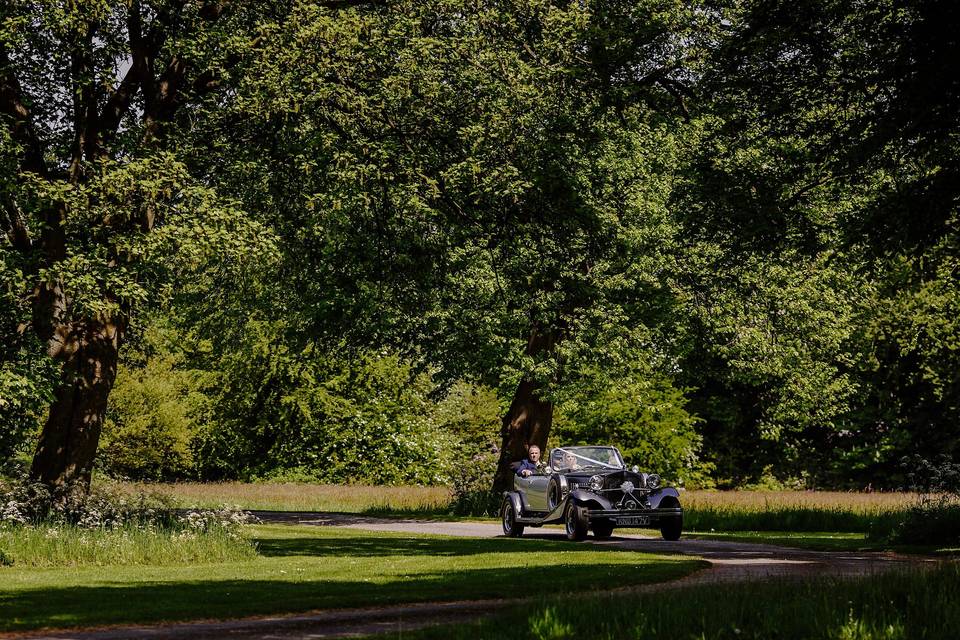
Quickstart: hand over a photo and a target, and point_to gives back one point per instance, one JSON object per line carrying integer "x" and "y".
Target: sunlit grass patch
{"x": 68, "y": 546}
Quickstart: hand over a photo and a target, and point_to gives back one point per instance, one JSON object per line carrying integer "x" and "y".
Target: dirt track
{"x": 729, "y": 562}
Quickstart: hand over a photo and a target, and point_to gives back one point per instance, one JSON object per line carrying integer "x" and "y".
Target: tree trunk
{"x": 527, "y": 422}
{"x": 68, "y": 442}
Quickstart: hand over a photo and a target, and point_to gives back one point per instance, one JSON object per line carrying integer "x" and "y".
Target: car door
{"x": 537, "y": 492}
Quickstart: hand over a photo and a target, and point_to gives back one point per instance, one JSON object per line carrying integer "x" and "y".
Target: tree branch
{"x": 21, "y": 128}
{"x": 16, "y": 228}
{"x": 119, "y": 102}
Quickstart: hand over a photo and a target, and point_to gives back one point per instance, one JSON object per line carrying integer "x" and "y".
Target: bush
{"x": 156, "y": 408}
{"x": 325, "y": 417}
{"x": 28, "y": 504}
{"x": 934, "y": 519}
{"x": 646, "y": 418}
{"x": 471, "y": 486}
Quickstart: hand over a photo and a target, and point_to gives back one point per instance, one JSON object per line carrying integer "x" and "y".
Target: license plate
{"x": 633, "y": 521}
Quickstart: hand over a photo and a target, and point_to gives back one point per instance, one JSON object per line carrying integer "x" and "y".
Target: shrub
{"x": 646, "y": 418}
{"x": 26, "y": 504}
{"x": 471, "y": 486}
{"x": 156, "y": 408}
{"x": 934, "y": 519}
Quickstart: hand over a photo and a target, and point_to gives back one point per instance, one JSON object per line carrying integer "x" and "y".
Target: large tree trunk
{"x": 68, "y": 442}
{"x": 527, "y": 422}
{"x": 530, "y": 416}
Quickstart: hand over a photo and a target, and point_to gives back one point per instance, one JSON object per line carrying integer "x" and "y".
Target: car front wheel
{"x": 602, "y": 529}
{"x": 575, "y": 519}
{"x": 509, "y": 517}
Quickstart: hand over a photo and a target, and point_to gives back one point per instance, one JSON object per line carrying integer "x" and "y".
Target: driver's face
{"x": 534, "y": 454}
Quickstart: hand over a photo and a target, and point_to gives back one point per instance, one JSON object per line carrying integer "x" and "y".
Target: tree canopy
{"x": 721, "y": 235}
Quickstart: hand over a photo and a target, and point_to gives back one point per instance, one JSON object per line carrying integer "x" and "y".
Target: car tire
{"x": 554, "y": 494}
{"x": 508, "y": 516}
{"x": 575, "y": 520}
{"x": 602, "y": 529}
{"x": 671, "y": 528}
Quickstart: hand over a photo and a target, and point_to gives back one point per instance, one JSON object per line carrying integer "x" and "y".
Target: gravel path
{"x": 729, "y": 562}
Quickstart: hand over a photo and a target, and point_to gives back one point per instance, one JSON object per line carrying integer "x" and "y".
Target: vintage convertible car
{"x": 590, "y": 488}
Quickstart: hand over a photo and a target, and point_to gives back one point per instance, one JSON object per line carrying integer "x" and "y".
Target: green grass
{"x": 893, "y": 606}
{"x": 64, "y": 546}
{"x": 304, "y": 568}
{"x": 736, "y": 517}
{"x": 822, "y": 541}
{"x": 812, "y": 540}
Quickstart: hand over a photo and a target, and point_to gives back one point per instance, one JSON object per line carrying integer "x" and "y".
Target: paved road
{"x": 729, "y": 562}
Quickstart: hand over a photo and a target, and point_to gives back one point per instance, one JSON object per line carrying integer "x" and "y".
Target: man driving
{"x": 532, "y": 464}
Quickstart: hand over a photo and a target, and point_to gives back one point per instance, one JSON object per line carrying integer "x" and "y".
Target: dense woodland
{"x": 384, "y": 241}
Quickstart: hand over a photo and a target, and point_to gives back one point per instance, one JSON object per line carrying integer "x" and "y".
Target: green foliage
{"x": 322, "y": 416}
{"x": 156, "y": 410}
{"x": 357, "y": 209}
{"x": 646, "y": 418}
{"x": 473, "y": 414}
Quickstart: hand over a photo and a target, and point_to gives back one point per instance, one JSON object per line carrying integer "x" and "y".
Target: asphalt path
{"x": 729, "y": 562}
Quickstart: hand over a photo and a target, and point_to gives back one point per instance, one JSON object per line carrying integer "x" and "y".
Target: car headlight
{"x": 596, "y": 483}
{"x": 653, "y": 481}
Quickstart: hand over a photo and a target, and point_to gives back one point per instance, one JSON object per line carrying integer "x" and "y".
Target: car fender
{"x": 514, "y": 497}
{"x": 589, "y": 499}
{"x": 657, "y": 496}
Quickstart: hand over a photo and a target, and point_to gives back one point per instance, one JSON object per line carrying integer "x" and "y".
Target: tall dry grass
{"x": 303, "y": 497}
{"x": 873, "y": 513}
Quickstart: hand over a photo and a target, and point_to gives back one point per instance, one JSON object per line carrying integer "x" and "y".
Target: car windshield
{"x": 576, "y": 458}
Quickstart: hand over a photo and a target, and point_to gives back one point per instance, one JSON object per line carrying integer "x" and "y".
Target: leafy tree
{"x": 829, "y": 161}
{"x": 486, "y": 181}
{"x": 101, "y": 213}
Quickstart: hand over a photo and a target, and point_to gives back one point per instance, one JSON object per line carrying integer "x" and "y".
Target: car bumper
{"x": 634, "y": 517}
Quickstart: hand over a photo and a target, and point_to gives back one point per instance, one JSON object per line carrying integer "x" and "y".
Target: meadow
{"x": 773, "y": 513}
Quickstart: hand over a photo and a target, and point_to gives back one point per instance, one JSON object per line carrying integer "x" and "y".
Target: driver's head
{"x": 534, "y": 453}
{"x": 569, "y": 459}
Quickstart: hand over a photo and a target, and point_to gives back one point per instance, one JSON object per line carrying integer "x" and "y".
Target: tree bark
{"x": 530, "y": 416}
{"x": 68, "y": 442}
{"x": 527, "y": 422}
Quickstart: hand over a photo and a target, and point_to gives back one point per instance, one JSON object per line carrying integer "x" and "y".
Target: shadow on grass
{"x": 414, "y": 546}
{"x": 185, "y": 600}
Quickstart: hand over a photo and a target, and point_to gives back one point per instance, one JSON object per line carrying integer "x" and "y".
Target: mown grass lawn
{"x": 893, "y": 606}
{"x": 304, "y": 568}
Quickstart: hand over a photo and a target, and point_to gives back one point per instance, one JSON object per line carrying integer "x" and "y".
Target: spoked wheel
{"x": 575, "y": 518}
{"x": 602, "y": 529}
{"x": 509, "y": 517}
